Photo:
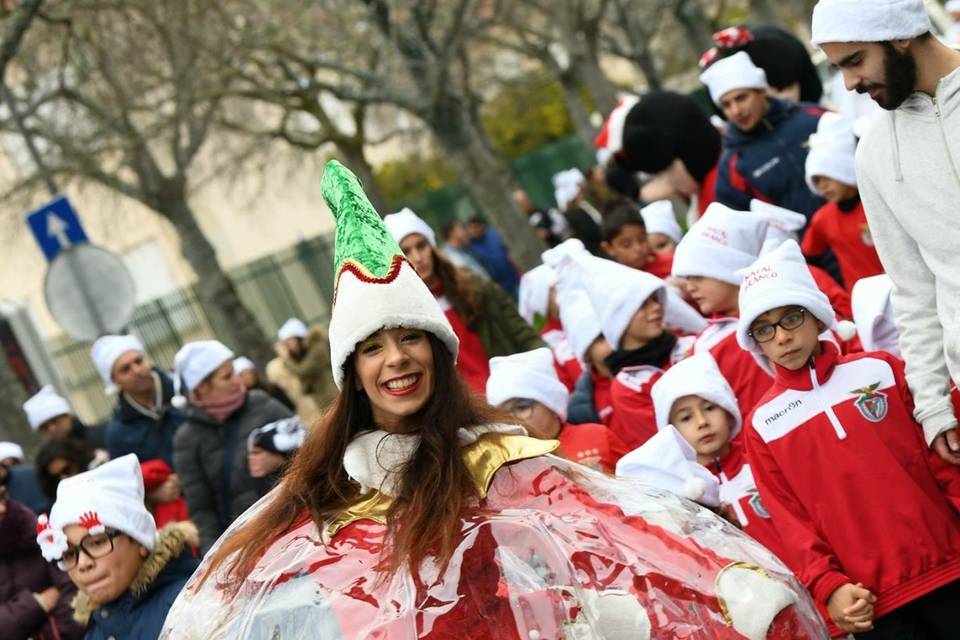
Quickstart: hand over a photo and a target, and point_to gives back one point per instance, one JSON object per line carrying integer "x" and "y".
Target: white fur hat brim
{"x": 868, "y": 21}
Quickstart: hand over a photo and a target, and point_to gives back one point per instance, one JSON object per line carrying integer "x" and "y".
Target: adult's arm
{"x": 732, "y": 187}
{"x": 502, "y": 309}
{"x": 21, "y": 615}
{"x": 914, "y": 301}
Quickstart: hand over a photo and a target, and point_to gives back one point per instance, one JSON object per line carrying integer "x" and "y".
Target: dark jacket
{"x": 23, "y": 572}
{"x": 492, "y": 254}
{"x": 768, "y": 162}
{"x": 139, "y": 613}
{"x": 24, "y": 487}
{"x": 210, "y": 458}
{"x": 581, "y": 408}
{"x": 94, "y": 436}
{"x": 130, "y": 431}
{"x": 499, "y": 325}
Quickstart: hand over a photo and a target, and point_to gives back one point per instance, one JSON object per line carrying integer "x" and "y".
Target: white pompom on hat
{"x": 697, "y": 375}
{"x": 779, "y": 278}
{"x": 566, "y": 186}
{"x": 292, "y": 328}
{"x": 11, "y": 450}
{"x": 530, "y": 375}
{"x": 833, "y": 149}
{"x": 658, "y": 217}
{"x": 873, "y": 314}
{"x": 782, "y": 224}
{"x": 243, "y": 363}
{"x": 109, "y": 496}
{"x": 405, "y": 222}
{"x": 534, "y": 294}
{"x": 720, "y": 244}
{"x": 579, "y": 320}
{"x": 45, "y": 404}
{"x": 107, "y": 350}
{"x": 668, "y": 462}
{"x": 868, "y": 21}
{"x": 733, "y": 72}
{"x": 194, "y": 362}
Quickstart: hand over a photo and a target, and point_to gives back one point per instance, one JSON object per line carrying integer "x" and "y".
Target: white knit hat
{"x": 668, "y": 462}
{"x": 579, "y": 320}
{"x": 194, "y": 362}
{"x": 109, "y": 496}
{"x": 868, "y": 20}
{"x": 566, "y": 186}
{"x": 733, "y": 72}
{"x": 832, "y": 151}
{"x": 873, "y": 314}
{"x": 375, "y": 287}
{"x": 404, "y": 222}
{"x": 46, "y": 404}
{"x": 697, "y": 375}
{"x": 778, "y": 279}
{"x": 292, "y": 328}
{"x": 243, "y": 363}
{"x": 782, "y": 224}
{"x": 530, "y": 375}
{"x": 658, "y": 217}
{"x": 105, "y": 352}
{"x": 534, "y": 295}
{"x": 11, "y": 450}
{"x": 720, "y": 244}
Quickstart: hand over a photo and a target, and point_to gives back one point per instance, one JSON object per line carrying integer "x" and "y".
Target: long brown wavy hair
{"x": 435, "y": 490}
{"x": 460, "y": 287}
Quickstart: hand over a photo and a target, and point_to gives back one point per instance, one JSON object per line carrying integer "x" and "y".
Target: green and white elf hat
{"x": 375, "y": 287}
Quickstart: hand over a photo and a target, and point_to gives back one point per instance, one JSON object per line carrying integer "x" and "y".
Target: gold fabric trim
{"x": 483, "y": 458}
{"x": 716, "y": 586}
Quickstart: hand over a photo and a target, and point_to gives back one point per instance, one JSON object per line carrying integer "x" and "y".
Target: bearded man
{"x": 907, "y": 173}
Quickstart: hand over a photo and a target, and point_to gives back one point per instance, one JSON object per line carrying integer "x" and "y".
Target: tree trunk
{"x": 13, "y": 423}
{"x": 487, "y": 178}
{"x": 764, "y": 12}
{"x": 356, "y": 160}
{"x": 644, "y": 60}
{"x": 579, "y": 114}
{"x": 603, "y": 92}
{"x": 229, "y": 318}
{"x": 695, "y": 24}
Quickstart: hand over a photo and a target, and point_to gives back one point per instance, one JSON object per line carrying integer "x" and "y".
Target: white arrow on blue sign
{"x": 56, "y": 226}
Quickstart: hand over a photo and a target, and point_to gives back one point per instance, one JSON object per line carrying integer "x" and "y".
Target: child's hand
{"x": 851, "y": 608}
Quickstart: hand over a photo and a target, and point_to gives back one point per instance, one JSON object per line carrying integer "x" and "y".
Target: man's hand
{"x": 851, "y": 608}
{"x": 947, "y": 446}
{"x": 48, "y": 598}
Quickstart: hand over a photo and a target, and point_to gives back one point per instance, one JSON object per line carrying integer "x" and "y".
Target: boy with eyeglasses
{"x": 526, "y": 386}
{"x": 868, "y": 514}
{"x": 102, "y": 535}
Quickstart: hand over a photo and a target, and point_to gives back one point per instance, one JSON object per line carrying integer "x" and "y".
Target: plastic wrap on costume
{"x": 558, "y": 551}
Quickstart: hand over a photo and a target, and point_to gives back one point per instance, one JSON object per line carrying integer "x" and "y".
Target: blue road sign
{"x": 56, "y": 226}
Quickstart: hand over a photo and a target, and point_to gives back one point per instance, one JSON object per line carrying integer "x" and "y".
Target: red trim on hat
{"x": 364, "y": 275}
{"x": 90, "y": 521}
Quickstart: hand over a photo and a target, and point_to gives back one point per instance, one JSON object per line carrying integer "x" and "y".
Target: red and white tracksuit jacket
{"x": 748, "y": 380}
{"x": 739, "y": 490}
{"x": 856, "y": 494}
{"x": 592, "y": 445}
{"x": 565, "y": 359}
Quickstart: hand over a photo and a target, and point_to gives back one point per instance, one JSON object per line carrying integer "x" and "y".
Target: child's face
{"x": 833, "y": 190}
{"x": 646, "y": 324}
{"x": 790, "y": 348}
{"x": 705, "y": 425}
{"x": 630, "y": 246}
{"x": 712, "y": 295}
{"x": 661, "y": 243}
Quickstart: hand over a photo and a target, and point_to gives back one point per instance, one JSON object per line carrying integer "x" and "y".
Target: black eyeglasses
{"x": 95, "y": 546}
{"x": 790, "y": 321}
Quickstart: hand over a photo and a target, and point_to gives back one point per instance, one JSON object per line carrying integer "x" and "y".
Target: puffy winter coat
{"x": 140, "y": 612}
{"x": 768, "y": 162}
{"x": 590, "y": 400}
{"x": 210, "y": 458}
{"x": 131, "y": 431}
{"x": 23, "y": 572}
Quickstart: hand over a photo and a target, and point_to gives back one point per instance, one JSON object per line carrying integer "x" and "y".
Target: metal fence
{"x": 295, "y": 282}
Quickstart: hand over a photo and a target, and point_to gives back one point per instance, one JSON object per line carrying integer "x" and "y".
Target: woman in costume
{"x": 413, "y": 510}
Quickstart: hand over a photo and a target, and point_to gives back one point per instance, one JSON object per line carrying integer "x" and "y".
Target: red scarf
{"x": 223, "y": 408}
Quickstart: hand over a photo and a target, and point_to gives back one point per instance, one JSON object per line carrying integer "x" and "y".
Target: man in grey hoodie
{"x": 907, "y": 170}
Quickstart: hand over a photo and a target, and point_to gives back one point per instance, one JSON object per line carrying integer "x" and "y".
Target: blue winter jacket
{"x": 768, "y": 162}
{"x": 130, "y": 431}
{"x": 492, "y": 254}
{"x": 139, "y": 613}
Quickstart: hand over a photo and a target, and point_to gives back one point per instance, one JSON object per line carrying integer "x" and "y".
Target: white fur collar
{"x": 374, "y": 458}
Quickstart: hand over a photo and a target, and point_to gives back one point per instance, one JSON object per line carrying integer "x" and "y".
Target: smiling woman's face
{"x": 395, "y": 370}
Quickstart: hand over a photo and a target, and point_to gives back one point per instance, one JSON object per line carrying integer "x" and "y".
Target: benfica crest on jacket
{"x": 871, "y": 403}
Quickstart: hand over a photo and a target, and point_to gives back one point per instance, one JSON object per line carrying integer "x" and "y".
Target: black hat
{"x": 283, "y": 436}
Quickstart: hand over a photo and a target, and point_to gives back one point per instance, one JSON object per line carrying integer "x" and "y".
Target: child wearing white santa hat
{"x": 849, "y": 418}
{"x": 538, "y": 306}
{"x": 526, "y": 386}
{"x": 663, "y": 230}
{"x": 590, "y": 397}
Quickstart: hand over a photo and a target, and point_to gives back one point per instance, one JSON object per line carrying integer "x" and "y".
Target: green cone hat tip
{"x": 375, "y": 287}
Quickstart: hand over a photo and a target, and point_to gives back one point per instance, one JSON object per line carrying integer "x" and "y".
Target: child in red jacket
{"x": 868, "y": 514}
{"x": 625, "y": 239}
{"x": 538, "y": 305}
{"x": 663, "y": 230}
{"x": 590, "y": 397}
{"x": 526, "y": 386}
{"x": 841, "y": 224}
